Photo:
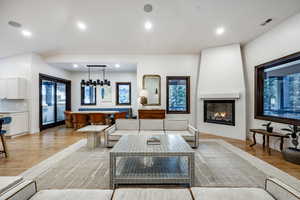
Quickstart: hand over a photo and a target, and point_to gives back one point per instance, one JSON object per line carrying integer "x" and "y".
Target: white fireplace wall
{"x": 221, "y": 71}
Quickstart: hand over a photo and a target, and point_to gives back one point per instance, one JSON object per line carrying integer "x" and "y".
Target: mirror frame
{"x": 159, "y": 82}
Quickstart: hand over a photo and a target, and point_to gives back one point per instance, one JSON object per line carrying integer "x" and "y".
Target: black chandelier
{"x": 94, "y": 83}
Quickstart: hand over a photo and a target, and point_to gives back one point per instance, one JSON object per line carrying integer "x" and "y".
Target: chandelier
{"x": 94, "y": 83}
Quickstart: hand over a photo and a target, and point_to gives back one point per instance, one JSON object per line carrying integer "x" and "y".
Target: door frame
{"x": 68, "y": 99}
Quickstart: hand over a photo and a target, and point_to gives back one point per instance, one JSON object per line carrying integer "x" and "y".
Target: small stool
{"x": 4, "y": 121}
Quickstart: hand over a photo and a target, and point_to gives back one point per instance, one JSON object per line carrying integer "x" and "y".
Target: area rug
{"x": 217, "y": 163}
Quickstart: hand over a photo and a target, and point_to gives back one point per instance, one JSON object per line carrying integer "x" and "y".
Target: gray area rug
{"x": 215, "y": 165}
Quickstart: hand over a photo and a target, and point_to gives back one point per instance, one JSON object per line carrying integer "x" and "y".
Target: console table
{"x": 267, "y": 134}
{"x": 152, "y": 114}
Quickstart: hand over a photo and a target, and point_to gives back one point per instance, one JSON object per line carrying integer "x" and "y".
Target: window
{"x": 278, "y": 90}
{"x": 123, "y": 93}
{"x": 178, "y": 94}
{"x": 88, "y": 95}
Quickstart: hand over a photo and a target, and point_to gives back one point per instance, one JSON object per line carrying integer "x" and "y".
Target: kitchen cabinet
{"x": 13, "y": 88}
{"x": 19, "y": 123}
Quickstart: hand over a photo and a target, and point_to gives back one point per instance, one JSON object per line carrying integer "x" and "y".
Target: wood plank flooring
{"x": 26, "y": 151}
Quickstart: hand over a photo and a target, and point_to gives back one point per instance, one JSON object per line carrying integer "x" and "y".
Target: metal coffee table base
{"x": 151, "y": 169}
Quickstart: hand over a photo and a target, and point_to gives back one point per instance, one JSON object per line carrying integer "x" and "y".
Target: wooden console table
{"x": 152, "y": 114}
{"x": 265, "y": 134}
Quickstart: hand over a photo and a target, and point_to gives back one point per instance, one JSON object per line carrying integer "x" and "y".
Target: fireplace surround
{"x": 219, "y": 112}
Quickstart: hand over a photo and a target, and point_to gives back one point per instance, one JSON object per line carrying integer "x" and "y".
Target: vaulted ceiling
{"x": 117, "y": 26}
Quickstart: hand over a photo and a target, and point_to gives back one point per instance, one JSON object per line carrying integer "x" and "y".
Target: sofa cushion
{"x": 230, "y": 194}
{"x": 73, "y": 194}
{"x": 150, "y": 133}
{"x": 176, "y": 125}
{"x": 185, "y": 134}
{"x": 152, "y": 194}
{"x": 127, "y": 124}
{"x": 7, "y": 182}
{"x": 152, "y": 124}
{"x": 119, "y": 133}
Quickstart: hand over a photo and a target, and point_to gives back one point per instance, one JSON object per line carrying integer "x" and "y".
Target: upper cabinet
{"x": 13, "y": 88}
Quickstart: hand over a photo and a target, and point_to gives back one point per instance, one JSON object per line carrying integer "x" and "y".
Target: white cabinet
{"x": 13, "y": 88}
{"x": 18, "y": 125}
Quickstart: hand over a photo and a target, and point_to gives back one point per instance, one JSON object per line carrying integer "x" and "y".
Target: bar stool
{"x": 80, "y": 120}
{"x": 68, "y": 119}
{"x": 97, "y": 119}
{"x": 4, "y": 121}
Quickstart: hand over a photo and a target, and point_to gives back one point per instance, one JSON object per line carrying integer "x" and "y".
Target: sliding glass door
{"x": 55, "y": 94}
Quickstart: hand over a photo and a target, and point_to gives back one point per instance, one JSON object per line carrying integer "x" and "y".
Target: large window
{"x": 178, "y": 94}
{"x": 123, "y": 93}
{"x": 88, "y": 95}
{"x": 278, "y": 90}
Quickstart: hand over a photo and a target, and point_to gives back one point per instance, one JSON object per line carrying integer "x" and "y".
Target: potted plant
{"x": 268, "y": 126}
{"x": 292, "y": 154}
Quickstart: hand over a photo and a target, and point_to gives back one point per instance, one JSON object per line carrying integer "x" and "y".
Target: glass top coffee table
{"x": 133, "y": 161}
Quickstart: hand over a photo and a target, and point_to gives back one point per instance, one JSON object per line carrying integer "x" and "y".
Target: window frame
{"x": 259, "y": 90}
{"x": 117, "y": 93}
{"x": 188, "y": 93}
{"x": 83, "y": 95}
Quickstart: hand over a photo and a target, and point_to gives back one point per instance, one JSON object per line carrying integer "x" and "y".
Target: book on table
{"x": 153, "y": 140}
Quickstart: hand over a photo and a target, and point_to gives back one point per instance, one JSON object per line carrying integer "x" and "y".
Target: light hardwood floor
{"x": 26, "y": 151}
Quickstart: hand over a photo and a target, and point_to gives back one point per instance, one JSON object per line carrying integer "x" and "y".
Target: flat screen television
{"x": 277, "y": 90}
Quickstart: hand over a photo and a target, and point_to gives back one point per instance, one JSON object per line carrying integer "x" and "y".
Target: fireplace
{"x": 219, "y": 112}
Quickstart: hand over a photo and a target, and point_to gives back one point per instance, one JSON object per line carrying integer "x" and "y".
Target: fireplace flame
{"x": 220, "y": 114}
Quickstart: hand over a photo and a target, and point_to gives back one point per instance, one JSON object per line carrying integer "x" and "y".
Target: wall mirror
{"x": 151, "y": 85}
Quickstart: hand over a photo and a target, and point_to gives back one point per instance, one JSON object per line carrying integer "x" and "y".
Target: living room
{"x": 146, "y": 107}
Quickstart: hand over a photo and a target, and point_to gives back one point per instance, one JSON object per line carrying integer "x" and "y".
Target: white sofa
{"x": 120, "y": 128}
{"x": 184, "y": 129}
{"x": 149, "y": 127}
{"x": 274, "y": 190}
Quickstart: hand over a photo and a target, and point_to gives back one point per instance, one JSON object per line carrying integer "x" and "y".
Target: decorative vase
{"x": 270, "y": 129}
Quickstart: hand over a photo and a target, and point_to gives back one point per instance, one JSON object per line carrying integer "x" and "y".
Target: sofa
{"x": 26, "y": 190}
{"x": 149, "y": 127}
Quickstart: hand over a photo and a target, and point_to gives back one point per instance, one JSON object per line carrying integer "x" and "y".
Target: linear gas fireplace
{"x": 219, "y": 112}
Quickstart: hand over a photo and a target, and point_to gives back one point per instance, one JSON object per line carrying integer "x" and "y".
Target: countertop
{"x": 12, "y": 111}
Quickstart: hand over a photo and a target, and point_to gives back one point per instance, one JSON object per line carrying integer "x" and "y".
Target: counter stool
{"x": 4, "y": 121}
{"x": 80, "y": 120}
{"x": 97, "y": 119}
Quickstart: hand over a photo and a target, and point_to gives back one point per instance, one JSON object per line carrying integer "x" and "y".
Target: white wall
{"x": 16, "y": 66}
{"x": 113, "y": 77}
{"x": 221, "y": 71}
{"x": 38, "y": 66}
{"x": 163, "y": 65}
{"x": 281, "y": 41}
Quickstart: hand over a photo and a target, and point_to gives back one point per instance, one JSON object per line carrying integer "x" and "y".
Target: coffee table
{"x": 133, "y": 161}
{"x": 93, "y": 134}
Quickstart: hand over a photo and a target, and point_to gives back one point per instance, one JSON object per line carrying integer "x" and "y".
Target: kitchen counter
{"x": 12, "y": 111}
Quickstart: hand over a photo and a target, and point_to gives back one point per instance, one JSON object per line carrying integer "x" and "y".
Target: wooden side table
{"x": 267, "y": 135}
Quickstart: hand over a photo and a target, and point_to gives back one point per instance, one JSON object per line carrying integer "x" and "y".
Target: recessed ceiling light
{"x": 81, "y": 26}
{"x": 15, "y": 24}
{"x": 220, "y": 30}
{"x": 75, "y": 65}
{"x": 26, "y": 33}
{"x": 148, "y": 8}
{"x": 117, "y": 65}
{"x": 148, "y": 25}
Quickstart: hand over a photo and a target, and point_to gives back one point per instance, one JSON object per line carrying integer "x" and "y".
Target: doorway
{"x": 55, "y": 99}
